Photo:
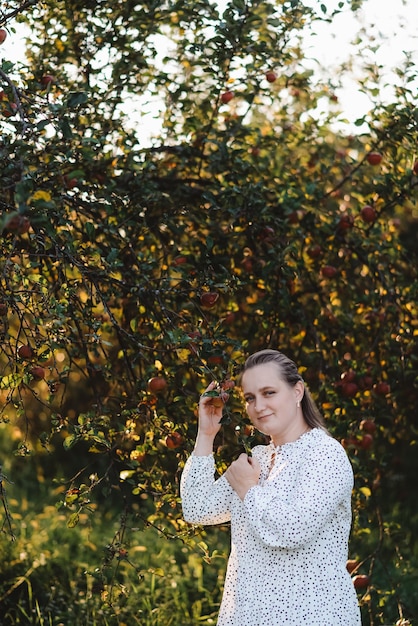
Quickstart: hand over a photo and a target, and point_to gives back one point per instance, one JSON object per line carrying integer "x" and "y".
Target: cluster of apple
{"x": 375, "y": 158}
{"x": 228, "y": 95}
{"x": 157, "y": 385}
{"x": 220, "y": 394}
{"x": 365, "y": 440}
{"x": 360, "y": 581}
{"x": 350, "y": 384}
{"x": 8, "y": 109}
{"x": 27, "y": 353}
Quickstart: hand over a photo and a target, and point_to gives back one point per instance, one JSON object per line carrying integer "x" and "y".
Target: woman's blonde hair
{"x": 288, "y": 372}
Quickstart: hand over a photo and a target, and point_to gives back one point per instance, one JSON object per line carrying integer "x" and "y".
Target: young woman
{"x": 289, "y": 505}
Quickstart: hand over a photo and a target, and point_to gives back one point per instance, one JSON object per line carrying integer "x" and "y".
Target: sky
{"x": 391, "y": 24}
{"x": 393, "y": 27}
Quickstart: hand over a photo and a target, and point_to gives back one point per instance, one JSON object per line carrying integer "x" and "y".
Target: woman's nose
{"x": 259, "y": 404}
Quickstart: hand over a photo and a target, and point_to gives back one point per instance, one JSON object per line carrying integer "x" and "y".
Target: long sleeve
{"x": 204, "y": 499}
{"x": 322, "y": 493}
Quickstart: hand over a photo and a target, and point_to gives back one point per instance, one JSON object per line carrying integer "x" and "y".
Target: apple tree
{"x": 136, "y": 270}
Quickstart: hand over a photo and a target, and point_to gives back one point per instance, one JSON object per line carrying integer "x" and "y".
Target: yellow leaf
{"x": 42, "y": 195}
{"x": 366, "y": 491}
{"x": 59, "y": 45}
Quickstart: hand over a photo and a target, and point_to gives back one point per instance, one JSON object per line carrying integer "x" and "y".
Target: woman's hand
{"x": 210, "y": 411}
{"x": 210, "y": 415}
{"x": 243, "y": 474}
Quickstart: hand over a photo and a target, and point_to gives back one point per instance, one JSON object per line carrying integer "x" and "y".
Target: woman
{"x": 289, "y": 505}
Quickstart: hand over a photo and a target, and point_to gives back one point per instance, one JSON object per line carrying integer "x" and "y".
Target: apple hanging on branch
{"x": 374, "y": 158}
{"x": 174, "y": 440}
{"x": 25, "y": 352}
{"x": 368, "y": 214}
{"x": 37, "y": 372}
{"x": 208, "y": 299}
{"x": 219, "y": 395}
{"x": 227, "y": 96}
{"x": 271, "y": 76}
{"x": 157, "y": 384}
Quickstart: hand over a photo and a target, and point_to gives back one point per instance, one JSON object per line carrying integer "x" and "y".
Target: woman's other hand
{"x": 243, "y": 474}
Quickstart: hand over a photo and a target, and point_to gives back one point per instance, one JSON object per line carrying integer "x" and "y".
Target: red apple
{"x": 361, "y": 581}
{"x": 157, "y": 384}
{"x": 25, "y": 352}
{"x": 295, "y": 216}
{"x": 374, "y": 158}
{"x": 368, "y": 214}
{"x": 10, "y": 109}
{"x": 227, "y": 384}
{"x": 174, "y": 440}
{"x": 179, "y": 260}
{"x": 247, "y": 264}
{"x": 230, "y": 318}
{"x": 267, "y": 234}
{"x": 349, "y": 376}
{"x": 314, "y": 251}
{"x": 70, "y": 183}
{"x": 270, "y": 76}
{"x": 47, "y": 79}
{"x": 215, "y": 359}
{"x": 3, "y": 35}
{"x": 366, "y": 441}
{"x": 329, "y": 271}
{"x": 227, "y": 96}
{"x": 368, "y": 426}
{"x": 208, "y": 299}
{"x": 345, "y": 222}
{"x": 349, "y": 390}
{"x": 351, "y": 565}
{"x": 38, "y": 372}
{"x": 220, "y": 400}
{"x": 382, "y": 388}
{"x": 349, "y": 442}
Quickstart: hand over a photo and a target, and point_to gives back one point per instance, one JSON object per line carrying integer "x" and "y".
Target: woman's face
{"x": 272, "y": 403}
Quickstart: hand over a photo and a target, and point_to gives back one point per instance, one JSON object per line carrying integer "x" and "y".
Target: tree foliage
{"x": 241, "y": 224}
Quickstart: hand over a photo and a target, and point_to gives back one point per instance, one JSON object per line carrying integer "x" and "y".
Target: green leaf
{"x": 76, "y": 98}
{"x": 70, "y": 441}
{"x": 11, "y": 381}
{"x": 73, "y": 521}
{"x": 66, "y": 128}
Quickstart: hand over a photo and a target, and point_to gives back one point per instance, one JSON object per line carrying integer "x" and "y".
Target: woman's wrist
{"x": 203, "y": 445}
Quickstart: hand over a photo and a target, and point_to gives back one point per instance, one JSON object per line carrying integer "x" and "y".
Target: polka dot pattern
{"x": 289, "y": 536}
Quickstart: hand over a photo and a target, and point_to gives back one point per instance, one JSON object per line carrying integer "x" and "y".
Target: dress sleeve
{"x": 204, "y": 499}
{"x": 323, "y": 487}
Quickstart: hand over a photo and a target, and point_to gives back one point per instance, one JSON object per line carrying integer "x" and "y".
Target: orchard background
{"x": 133, "y": 273}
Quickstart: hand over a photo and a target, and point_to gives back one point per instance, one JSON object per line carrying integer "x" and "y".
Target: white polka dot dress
{"x": 289, "y": 536}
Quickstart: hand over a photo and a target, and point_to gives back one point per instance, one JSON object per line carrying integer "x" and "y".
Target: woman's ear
{"x": 299, "y": 391}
